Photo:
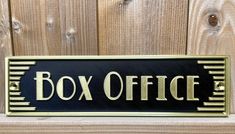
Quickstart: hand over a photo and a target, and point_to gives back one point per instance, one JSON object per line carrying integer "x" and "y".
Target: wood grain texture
{"x": 121, "y": 125}
{"x": 5, "y": 46}
{"x": 54, "y": 27}
{"x": 205, "y": 39}
{"x": 142, "y": 26}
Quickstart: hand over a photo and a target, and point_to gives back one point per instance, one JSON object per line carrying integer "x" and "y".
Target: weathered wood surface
{"x": 5, "y": 46}
{"x": 206, "y": 39}
{"x": 121, "y": 125}
{"x": 142, "y": 26}
{"x": 54, "y": 27}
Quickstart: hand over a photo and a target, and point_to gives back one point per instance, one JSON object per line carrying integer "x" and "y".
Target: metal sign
{"x": 117, "y": 86}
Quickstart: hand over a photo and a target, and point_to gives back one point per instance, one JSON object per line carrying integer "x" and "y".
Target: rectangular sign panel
{"x": 117, "y": 86}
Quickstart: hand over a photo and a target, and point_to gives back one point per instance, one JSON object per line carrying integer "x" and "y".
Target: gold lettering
{"x": 85, "y": 87}
{"x": 107, "y": 85}
{"x": 129, "y": 87}
{"x": 40, "y": 77}
{"x": 144, "y": 87}
{"x": 161, "y": 88}
{"x": 174, "y": 87}
{"x": 190, "y": 88}
{"x": 60, "y": 88}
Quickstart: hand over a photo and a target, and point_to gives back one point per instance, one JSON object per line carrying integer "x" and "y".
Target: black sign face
{"x": 117, "y": 86}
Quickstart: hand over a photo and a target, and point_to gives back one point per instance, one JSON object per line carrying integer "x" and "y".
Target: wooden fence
{"x": 118, "y": 27}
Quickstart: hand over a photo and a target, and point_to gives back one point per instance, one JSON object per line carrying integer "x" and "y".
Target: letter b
{"x": 40, "y": 77}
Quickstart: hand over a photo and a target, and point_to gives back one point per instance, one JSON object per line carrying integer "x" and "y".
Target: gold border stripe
{"x": 214, "y": 67}
{"x": 17, "y": 98}
{"x": 216, "y": 98}
{"x": 216, "y": 89}
{"x": 19, "y": 68}
{"x": 15, "y": 93}
{"x": 218, "y": 77}
{"x": 216, "y": 72}
{"x": 20, "y": 103}
{"x": 214, "y": 103}
{"x": 210, "y": 62}
{"x": 22, "y": 63}
{"x": 218, "y": 93}
{"x": 15, "y": 89}
{"x": 22, "y": 108}
{"x": 14, "y": 81}
{"x": 210, "y": 109}
{"x": 16, "y": 73}
{"x": 14, "y": 78}
{"x": 219, "y": 81}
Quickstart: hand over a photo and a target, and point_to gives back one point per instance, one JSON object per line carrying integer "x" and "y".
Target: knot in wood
{"x": 70, "y": 34}
{"x": 16, "y": 25}
{"x": 124, "y": 2}
{"x": 213, "y": 20}
{"x": 49, "y": 23}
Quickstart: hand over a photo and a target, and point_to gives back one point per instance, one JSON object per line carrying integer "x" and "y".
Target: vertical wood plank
{"x": 54, "y": 27}
{"x": 5, "y": 46}
{"x": 79, "y": 26}
{"x": 207, "y": 39}
{"x": 142, "y": 26}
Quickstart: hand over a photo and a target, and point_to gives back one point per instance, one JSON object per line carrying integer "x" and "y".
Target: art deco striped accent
{"x": 17, "y": 69}
{"x": 216, "y": 102}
